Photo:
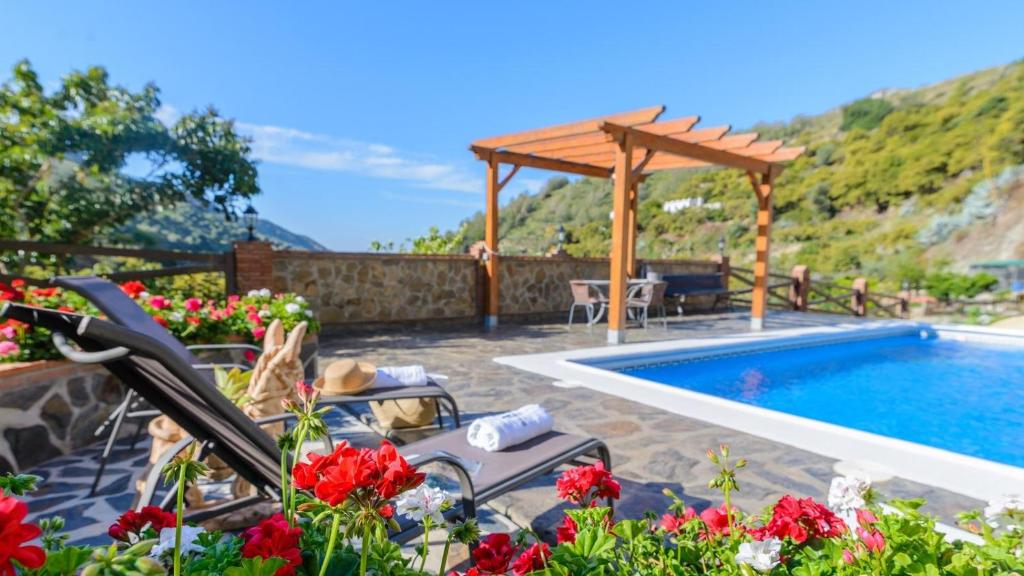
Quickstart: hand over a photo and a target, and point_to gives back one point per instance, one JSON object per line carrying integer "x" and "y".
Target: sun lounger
{"x": 172, "y": 385}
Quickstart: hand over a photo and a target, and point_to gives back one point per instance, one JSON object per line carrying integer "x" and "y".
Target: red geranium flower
{"x": 567, "y": 531}
{"x": 800, "y": 520}
{"x": 193, "y": 304}
{"x": 674, "y": 524}
{"x": 494, "y": 554}
{"x": 45, "y": 292}
{"x": 532, "y": 559}
{"x": 161, "y": 321}
{"x": 370, "y": 476}
{"x": 12, "y": 292}
{"x": 717, "y": 521}
{"x": 133, "y": 288}
{"x": 582, "y": 484}
{"x": 132, "y": 522}
{"x": 13, "y": 534}
{"x": 274, "y": 538}
{"x": 470, "y": 572}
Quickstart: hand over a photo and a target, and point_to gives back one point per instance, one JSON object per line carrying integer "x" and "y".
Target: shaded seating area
{"x": 626, "y": 148}
{"x": 679, "y": 286}
{"x": 177, "y": 389}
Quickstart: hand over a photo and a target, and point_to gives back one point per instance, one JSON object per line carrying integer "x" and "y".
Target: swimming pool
{"x": 967, "y": 397}
{"x": 945, "y": 411}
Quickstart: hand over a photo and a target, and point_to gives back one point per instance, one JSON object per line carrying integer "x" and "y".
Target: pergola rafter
{"x": 628, "y": 147}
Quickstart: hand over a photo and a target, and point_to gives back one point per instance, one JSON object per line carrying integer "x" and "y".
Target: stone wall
{"x": 345, "y": 288}
{"x": 51, "y": 408}
{"x": 357, "y": 288}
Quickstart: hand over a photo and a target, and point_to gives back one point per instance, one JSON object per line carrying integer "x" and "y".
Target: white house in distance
{"x": 676, "y": 206}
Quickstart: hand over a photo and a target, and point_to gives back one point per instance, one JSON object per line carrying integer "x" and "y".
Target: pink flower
{"x": 8, "y": 348}
{"x": 674, "y": 524}
{"x": 159, "y": 302}
{"x": 873, "y": 540}
{"x": 866, "y": 517}
{"x": 258, "y": 332}
{"x": 250, "y": 356}
{"x": 193, "y": 304}
{"x": 255, "y": 319}
{"x": 234, "y": 298}
{"x": 8, "y": 332}
{"x": 848, "y": 557}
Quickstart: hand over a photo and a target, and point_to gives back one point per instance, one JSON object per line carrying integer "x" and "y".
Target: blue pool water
{"x": 963, "y": 397}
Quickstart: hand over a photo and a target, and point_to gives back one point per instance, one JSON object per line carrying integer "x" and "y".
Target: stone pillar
{"x": 800, "y": 289}
{"x": 859, "y": 297}
{"x": 254, "y": 265}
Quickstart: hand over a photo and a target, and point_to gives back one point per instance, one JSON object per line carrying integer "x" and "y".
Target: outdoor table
{"x": 633, "y": 287}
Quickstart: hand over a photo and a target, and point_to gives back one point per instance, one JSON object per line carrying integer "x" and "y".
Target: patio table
{"x": 633, "y": 287}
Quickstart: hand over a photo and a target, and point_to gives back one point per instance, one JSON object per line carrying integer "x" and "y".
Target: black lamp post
{"x": 251, "y": 218}
{"x": 721, "y": 246}
{"x": 561, "y": 237}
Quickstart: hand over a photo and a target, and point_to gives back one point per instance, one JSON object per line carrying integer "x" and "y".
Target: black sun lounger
{"x": 122, "y": 310}
{"x": 171, "y": 384}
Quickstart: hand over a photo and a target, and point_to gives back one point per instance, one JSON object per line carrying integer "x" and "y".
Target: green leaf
{"x": 256, "y": 567}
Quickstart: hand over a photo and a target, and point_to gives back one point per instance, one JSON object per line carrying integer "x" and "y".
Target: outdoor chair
{"x": 108, "y": 298}
{"x": 151, "y": 368}
{"x": 650, "y": 295}
{"x": 587, "y": 296}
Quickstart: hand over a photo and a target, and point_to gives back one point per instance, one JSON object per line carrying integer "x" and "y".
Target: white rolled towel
{"x": 501, "y": 431}
{"x": 388, "y": 376}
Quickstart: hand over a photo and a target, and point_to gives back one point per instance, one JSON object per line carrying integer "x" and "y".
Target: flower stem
{"x": 285, "y": 485}
{"x": 301, "y": 434}
{"x": 426, "y": 542}
{"x": 177, "y": 524}
{"x": 444, "y": 556}
{"x": 728, "y": 509}
{"x": 332, "y": 539}
{"x": 367, "y": 534}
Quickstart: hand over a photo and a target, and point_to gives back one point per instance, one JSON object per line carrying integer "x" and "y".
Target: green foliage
{"x": 865, "y": 114}
{"x": 950, "y": 285}
{"x": 64, "y": 157}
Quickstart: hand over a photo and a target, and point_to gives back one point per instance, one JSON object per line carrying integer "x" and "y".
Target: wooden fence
{"x": 800, "y": 293}
{"x": 173, "y": 263}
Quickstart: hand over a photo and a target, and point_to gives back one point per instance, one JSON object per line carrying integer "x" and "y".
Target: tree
{"x": 85, "y": 159}
{"x": 866, "y": 113}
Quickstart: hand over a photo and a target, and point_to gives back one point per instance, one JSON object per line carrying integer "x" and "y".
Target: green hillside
{"x": 892, "y": 185}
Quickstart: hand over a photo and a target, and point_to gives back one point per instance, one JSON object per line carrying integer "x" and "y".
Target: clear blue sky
{"x": 363, "y": 111}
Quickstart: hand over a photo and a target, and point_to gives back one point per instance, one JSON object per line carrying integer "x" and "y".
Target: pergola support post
{"x": 634, "y": 195}
{"x": 621, "y": 189}
{"x": 759, "y": 297}
{"x": 494, "y": 186}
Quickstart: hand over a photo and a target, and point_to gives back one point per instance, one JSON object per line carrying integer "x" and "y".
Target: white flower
{"x": 309, "y": 313}
{"x": 292, "y": 308}
{"x": 144, "y": 295}
{"x": 761, "y": 556}
{"x": 265, "y": 292}
{"x": 300, "y": 299}
{"x": 253, "y": 293}
{"x": 189, "y": 535}
{"x": 846, "y": 493}
{"x": 421, "y": 502}
{"x": 177, "y": 316}
{"x": 1009, "y": 507}
{"x": 264, "y": 313}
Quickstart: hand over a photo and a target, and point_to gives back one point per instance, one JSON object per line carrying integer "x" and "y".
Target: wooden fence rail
{"x": 181, "y": 262}
{"x": 800, "y": 293}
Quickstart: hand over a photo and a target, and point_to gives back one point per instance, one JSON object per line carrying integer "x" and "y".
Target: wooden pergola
{"x": 627, "y": 147}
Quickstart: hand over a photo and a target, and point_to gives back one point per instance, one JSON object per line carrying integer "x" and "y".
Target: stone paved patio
{"x": 651, "y": 449}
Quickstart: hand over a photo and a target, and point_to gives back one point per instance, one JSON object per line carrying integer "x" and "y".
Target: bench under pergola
{"x": 627, "y": 147}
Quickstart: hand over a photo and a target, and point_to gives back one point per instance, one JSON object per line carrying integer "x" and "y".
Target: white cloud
{"x": 291, "y": 147}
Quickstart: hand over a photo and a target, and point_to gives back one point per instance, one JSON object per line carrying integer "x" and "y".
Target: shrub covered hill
{"x": 892, "y": 186}
{"x": 192, "y": 227}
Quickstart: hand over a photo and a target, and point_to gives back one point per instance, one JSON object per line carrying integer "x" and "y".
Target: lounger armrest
{"x": 226, "y": 366}
{"x": 463, "y": 469}
{"x": 276, "y": 418}
{"x": 61, "y": 343}
{"x": 237, "y": 346}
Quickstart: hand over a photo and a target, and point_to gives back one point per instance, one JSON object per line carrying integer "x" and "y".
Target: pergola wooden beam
{"x": 628, "y": 147}
{"x": 517, "y": 159}
{"x": 686, "y": 149}
{"x": 642, "y": 116}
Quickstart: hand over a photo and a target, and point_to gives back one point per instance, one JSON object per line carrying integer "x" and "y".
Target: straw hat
{"x": 346, "y": 377}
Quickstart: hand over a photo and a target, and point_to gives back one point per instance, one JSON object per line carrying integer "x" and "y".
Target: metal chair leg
{"x": 111, "y": 439}
{"x": 572, "y": 309}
